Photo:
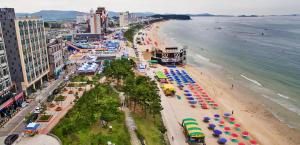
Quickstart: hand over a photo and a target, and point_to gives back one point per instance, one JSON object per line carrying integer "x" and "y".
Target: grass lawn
{"x": 149, "y": 129}
{"x": 79, "y": 78}
{"x": 97, "y": 135}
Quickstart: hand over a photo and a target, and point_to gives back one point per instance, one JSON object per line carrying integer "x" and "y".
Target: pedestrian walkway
{"x": 130, "y": 124}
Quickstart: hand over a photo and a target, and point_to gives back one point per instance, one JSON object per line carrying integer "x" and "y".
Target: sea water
{"x": 261, "y": 53}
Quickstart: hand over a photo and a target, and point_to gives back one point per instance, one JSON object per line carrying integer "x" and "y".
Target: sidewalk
{"x": 130, "y": 124}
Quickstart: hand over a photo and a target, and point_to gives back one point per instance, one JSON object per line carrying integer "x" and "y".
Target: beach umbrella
{"x": 187, "y": 94}
{"x": 253, "y": 142}
{"x": 227, "y": 129}
{"x": 221, "y": 122}
{"x": 231, "y": 119}
{"x": 206, "y": 119}
{"x": 227, "y": 114}
{"x": 241, "y": 143}
{"x": 217, "y": 116}
{"x": 211, "y": 126}
{"x": 193, "y": 102}
{"x": 237, "y": 125}
{"x": 234, "y": 135}
{"x": 222, "y": 140}
{"x": 245, "y": 133}
{"x": 190, "y": 98}
{"x": 217, "y": 132}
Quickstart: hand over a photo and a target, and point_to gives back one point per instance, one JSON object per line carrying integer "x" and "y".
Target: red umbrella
{"x": 227, "y": 128}
{"x": 245, "y": 133}
{"x": 253, "y": 142}
{"x": 216, "y": 105}
{"x": 234, "y": 135}
{"x": 221, "y": 122}
{"x": 237, "y": 125}
{"x": 241, "y": 143}
{"x": 231, "y": 119}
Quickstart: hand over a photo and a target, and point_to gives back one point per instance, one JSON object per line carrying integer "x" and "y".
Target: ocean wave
{"x": 283, "y": 96}
{"x": 284, "y": 104}
{"x": 252, "y": 80}
{"x": 202, "y": 57}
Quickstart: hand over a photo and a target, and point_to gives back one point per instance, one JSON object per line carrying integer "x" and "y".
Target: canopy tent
{"x": 32, "y": 126}
{"x": 153, "y": 61}
{"x": 161, "y": 75}
{"x": 190, "y": 123}
{"x": 188, "y": 119}
{"x": 195, "y": 133}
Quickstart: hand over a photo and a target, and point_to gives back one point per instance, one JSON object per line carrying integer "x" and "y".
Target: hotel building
{"x": 26, "y": 48}
{"x": 98, "y": 21}
{"x": 10, "y": 98}
{"x": 124, "y": 19}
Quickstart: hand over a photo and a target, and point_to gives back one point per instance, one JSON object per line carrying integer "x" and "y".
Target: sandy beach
{"x": 250, "y": 113}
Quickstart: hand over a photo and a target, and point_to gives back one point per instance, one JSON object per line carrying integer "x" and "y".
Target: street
{"x": 16, "y": 124}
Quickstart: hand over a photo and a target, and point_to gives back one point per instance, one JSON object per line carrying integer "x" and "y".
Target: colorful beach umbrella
{"x": 245, "y": 133}
{"x": 211, "y": 126}
{"x": 222, "y": 140}
{"x": 234, "y": 135}
{"x": 227, "y": 114}
{"x": 237, "y": 125}
{"x": 217, "y": 116}
{"x": 206, "y": 119}
{"x": 217, "y": 132}
{"x": 253, "y": 142}
{"x": 241, "y": 143}
{"x": 227, "y": 128}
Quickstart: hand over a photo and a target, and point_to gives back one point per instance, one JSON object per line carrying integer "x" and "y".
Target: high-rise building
{"x": 10, "y": 98}
{"x": 55, "y": 55}
{"x": 98, "y": 21}
{"x": 5, "y": 80}
{"x": 124, "y": 19}
{"x": 26, "y": 49}
{"x": 33, "y": 51}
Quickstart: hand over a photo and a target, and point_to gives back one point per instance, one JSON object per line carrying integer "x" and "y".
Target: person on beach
{"x": 232, "y": 112}
{"x": 231, "y": 86}
{"x": 172, "y": 138}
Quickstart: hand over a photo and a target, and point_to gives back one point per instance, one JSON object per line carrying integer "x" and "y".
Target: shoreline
{"x": 251, "y": 113}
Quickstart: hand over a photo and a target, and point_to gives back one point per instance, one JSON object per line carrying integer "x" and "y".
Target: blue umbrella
{"x": 211, "y": 126}
{"x": 217, "y": 132}
{"x": 188, "y": 94}
{"x": 227, "y": 114}
{"x": 222, "y": 140}
{"x": 186, "y": 91}
{"x": 206, "y": 119}
{"x": 217, "y": 116}
{"x": 193, "y": 102}
{"x": 190, "y": 98}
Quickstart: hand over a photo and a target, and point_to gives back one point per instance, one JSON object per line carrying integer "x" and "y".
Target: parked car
{"x": 9, "y": 140}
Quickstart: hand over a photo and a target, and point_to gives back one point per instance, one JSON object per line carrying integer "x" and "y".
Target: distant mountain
{"x": 172, "y": 17}
{"x": 56, "y": 15}
{"x": 202, "y": 15}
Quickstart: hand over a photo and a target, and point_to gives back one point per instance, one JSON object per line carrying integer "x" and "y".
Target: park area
{"x": 95, "y": 119}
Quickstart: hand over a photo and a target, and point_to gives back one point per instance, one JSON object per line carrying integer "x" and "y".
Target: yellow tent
{"x": 168, "y": 89}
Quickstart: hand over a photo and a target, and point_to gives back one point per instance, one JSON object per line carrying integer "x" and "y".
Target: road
{"x": 15, "y": 124}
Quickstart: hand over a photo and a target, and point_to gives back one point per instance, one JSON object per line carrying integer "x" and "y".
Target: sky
{"x": 228, "y": 7}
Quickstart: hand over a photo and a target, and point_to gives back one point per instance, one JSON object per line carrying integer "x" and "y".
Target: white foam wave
{"x": 252, "y": 80}
{"x": 284, "y": 103}
{"x": 202, "y": 57}
{"x": 283, "y": 96}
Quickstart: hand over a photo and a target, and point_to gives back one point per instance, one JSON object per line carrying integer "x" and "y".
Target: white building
{"x": 124, "y": 19}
